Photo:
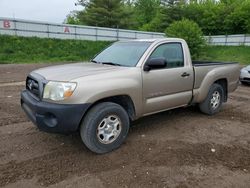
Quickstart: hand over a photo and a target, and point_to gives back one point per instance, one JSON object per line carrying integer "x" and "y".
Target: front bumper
{"x": 50, "y": 117}
{"x": 245, "y": 79}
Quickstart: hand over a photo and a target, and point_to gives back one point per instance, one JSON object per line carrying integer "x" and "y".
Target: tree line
{"x": 214, "y": 17}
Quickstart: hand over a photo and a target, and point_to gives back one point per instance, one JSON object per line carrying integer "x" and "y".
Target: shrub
{"x": 189, "y": 31}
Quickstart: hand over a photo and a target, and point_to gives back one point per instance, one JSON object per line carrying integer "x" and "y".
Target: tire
{"x": 100, "y": 123}
{"x": 211, "y": 105}
{"x": 244, "y": 83}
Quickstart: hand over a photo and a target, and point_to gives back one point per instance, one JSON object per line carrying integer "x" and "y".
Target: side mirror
{"x": 155, "y": 63}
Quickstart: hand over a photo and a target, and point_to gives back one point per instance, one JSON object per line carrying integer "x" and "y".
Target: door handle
{"x": 185, "y": 74}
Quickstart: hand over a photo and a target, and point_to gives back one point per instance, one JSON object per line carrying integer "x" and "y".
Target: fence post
{"x": 96, "y": 33}
{"x": 48, "y": 29}
{"x": 117, "y": 34}
{"x": 135, "y": 35}
{"x": 75, "y": 32}
{"x": 245, "y": 37}
{"x": 210, "y": 39}
{"x": 15, "y": 29}
{"x": 226, "y": 40}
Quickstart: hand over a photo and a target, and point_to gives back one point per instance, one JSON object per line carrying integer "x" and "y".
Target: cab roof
{"x": 159, "y": 40}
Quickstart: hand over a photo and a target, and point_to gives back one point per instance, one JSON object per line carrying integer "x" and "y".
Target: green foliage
{"x": 72, "y": 18}
{"x": 32, "y": 50}
{"x": 239, "y": 19}
{"x": 103, "y": 13}
{"x": 128, "y": 21}
{"x": 189, "y": 31}
{"x": 226, "y": 53}
{"x": 159, "y": 22}
{"x": 219, "y": 17}
{"x": 36, "y": 50}
{"x": 145, "y": 10}
{"x": 213, "y": 16}
{"x": 206, "y": 15}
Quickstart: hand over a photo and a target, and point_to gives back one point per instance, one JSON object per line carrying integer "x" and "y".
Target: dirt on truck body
{"x": 177, "y": 148}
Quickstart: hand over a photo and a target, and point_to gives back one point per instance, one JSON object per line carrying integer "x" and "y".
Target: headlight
{"x": 243, "y": 70}
{"x": 57, "y": 91}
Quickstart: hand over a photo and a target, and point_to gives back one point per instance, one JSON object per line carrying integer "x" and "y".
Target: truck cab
{"x": 170, "y": 85}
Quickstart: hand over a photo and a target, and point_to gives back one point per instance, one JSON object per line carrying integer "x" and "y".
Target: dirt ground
{"x": 180, "y": 148}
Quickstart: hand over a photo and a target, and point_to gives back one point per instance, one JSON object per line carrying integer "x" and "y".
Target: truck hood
{"x": 72, "y": 71}
{"x": 247, "y": 68}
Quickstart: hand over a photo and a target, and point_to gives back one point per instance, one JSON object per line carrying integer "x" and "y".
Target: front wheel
{"x": 105, "y": 127}
{"x": 213, "y": 102}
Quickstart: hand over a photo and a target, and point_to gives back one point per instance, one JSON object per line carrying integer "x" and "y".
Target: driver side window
{"x": 171, "y": 52}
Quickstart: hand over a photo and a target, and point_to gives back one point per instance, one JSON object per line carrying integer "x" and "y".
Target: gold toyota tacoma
{"x": 124, "y": 82}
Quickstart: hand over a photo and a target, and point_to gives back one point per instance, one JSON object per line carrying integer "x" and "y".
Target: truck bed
{"x": 206, "y": 71}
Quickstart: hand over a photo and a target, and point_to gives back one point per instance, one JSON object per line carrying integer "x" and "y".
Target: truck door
{"x": 171, "y": 86}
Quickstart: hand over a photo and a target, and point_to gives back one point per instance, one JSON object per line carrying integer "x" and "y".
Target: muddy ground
{"x": 179, "y": 148}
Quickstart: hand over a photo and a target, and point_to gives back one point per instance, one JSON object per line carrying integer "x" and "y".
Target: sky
{"x": 38, "y": 10}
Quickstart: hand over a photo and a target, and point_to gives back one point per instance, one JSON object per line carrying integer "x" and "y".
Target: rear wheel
{"x": 213, "y": 102}
{"x": 105, "y": 127}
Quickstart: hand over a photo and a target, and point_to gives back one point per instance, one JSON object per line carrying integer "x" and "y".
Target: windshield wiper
{"x": 106, "y": 63}
{"x": 110, "y": 63}
{"x": 94, "y": 61}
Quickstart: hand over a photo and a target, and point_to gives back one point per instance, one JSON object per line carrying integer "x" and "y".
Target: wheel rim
{"x": 109, "y": 129}
{"x": 215, "y": 100}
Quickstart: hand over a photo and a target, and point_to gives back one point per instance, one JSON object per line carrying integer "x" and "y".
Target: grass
{"x": 36, "y": 50}
{"x": 240, "y": 54}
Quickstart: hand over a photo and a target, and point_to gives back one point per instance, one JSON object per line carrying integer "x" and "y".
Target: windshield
{"x": 122, "y": 53}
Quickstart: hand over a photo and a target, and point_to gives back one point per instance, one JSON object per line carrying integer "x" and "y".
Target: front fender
{"x": 94, "y": 88}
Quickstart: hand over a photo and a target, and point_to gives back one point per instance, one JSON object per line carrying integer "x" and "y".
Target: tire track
{"x": 67, "y": 162}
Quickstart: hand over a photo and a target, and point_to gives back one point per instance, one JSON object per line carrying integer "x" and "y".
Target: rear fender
{"x": 211, "y": 77}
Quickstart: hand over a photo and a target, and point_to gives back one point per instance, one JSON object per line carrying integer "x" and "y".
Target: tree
{"x": 145, "y": 11}
{"x": 161, "y": 20}
{"x": 103, "y": 13}
{"x": 72, "y": 18}
{"x": 189, "y": 31}
{"x": 157, "y": 24}
{"x": 171, "y": 3}
{"x": 213, "y": 16}
{"x": 238, "y": 20}
{"x": 83, "y": 3}
{"x": 128, "y": 20}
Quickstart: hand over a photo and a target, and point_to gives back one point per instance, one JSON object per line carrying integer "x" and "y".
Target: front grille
{"x": 247, "y": 79}
{"x": 32, "y": 85}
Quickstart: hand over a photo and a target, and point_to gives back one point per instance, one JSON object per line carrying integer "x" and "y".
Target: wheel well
{"x": 223, "y": 83}
{"x": 123, "y": 100}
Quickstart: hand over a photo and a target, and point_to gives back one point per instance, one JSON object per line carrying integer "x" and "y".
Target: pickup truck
{"x": 124, "y": 82}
